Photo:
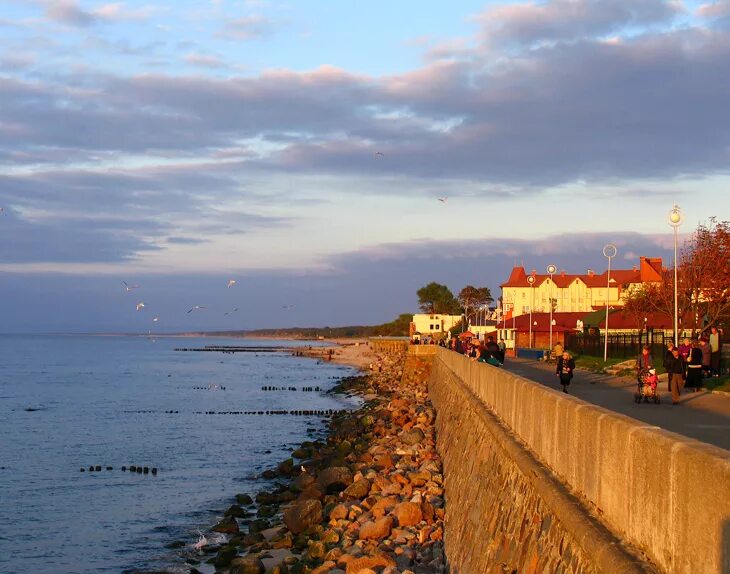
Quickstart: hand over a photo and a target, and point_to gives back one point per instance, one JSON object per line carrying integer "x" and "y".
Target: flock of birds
{"x": 130, "y": 287}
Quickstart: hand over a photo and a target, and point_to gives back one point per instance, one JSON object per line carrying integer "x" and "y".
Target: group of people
{"x": 687, "y": 364}
{"x": 491, "y": 352}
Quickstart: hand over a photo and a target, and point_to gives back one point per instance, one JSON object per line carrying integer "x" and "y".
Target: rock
{"x": 376, "y": 530}
{"x": 359, "y": 489}
{"x": 236, "y": 511}
{"x": 371, "y": 562}
{"x": 413, "y": 436}
{"x": 269, "y": 474}
{"x": 286, "y": 467}
{"x": 284, "y": 541}
{"x": 252, "y": 538}
{"x": 244, "y": 499}
{"x": 338, "y": 512}
{"x": 247, "y": 565}
{"x": 316, "y": 550}
{"x": 408, "y": 513}
{"x": 419, "y": 478}
{"x": 334, "y": 479}
{"x": 302, "y": 481}
{"x": 326, "y": 567}
{"x": 224, "y": 556}
{"x": 312, "y": 492}
{"x": 227, "y": 526}
{"x": 367, "y": 421}
{"x": 258, "y": 525}
{"x": 303, "y": 514}
{"x": 266, "y": 498}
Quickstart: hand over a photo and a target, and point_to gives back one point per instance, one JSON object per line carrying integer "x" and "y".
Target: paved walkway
{"x": 703, "y": 416}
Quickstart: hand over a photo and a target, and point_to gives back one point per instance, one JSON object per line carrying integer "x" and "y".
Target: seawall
{"x": 539, "y": 481}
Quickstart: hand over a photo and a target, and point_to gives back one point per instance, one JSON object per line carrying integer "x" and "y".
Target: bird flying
{"x": 140, "y": 305}
{"x": 379, "y": 153}
{"x": 443, "y": 199}
{"x": 231, "y": 312}
{"x": 128, "y": 287}
{"x": 287, "y": 306}
{"x": 231, "y": 283}
{"x": 155, "y": 319}
{"x": 195, "y": 307}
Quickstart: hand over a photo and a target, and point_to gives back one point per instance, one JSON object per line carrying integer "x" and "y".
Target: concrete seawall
{"x": 526, "y": 466}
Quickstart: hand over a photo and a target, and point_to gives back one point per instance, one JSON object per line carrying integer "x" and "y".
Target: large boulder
{"x": 376, "y": 530}
{"x": 303, "y": 514}
{"x": 413, "y": 436}
{"x": 247, "y": 565}
{"x": 408, "y": 513}
{"x": 334, "y": 479}
{"x": 358, "y": 489}
{"x": 302, "y": 481}
{"x": 227, "y": 526}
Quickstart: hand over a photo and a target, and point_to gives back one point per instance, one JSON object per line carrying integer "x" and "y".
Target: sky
{"x": 301, "y": 148}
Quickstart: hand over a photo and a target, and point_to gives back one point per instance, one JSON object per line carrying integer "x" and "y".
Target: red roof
{"x": 563, "y": 322}
{"x": 650, "y": 270}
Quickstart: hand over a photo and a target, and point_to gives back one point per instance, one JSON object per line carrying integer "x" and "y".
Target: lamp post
{"x": 675, "y": 220}
{"x": 531, "y": 281}
{"x": 609, "y": 251}
{"x": 551, "y": 269}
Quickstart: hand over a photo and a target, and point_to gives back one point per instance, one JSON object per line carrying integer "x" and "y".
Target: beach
{"x": 368, "y": 498}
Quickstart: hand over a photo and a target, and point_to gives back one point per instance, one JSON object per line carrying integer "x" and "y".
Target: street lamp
{"x": 551, "y": 269}
{"x": 675, "y": 220}
{"x": 609, "y": 251}
{"x": 531, "y": 281}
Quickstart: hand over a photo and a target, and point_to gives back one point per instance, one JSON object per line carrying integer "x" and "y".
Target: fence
{"x": 620, "y": 345}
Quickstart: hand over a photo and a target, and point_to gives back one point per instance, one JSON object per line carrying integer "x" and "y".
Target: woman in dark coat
{"x": 694, "y": 368}
{"x": 668, "y": 358}
{"x": 564, "y": 370}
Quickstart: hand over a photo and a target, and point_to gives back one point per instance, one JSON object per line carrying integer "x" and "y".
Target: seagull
{"x": 2, "y": 210}
{"x": 231, "y": 283}
{"x": 140, "y": 305}
{"x": 231, "y": 312}
{"x": 443, "y": 199}
{"x": 287, "y": 306}
{"x": 155, "y": 319}
{"x": 379, "y": 153}
{"x": 196, "y": 307}
{"x": 201, "y": 543}
{"x": 128, "y": 287}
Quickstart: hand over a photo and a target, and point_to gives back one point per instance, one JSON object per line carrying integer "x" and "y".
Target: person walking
{"x": 667, "y": 358}
{"x": 706, "y": 357}
{"x": 644, "y": 362}
{"x": 675, "y": 372}
{"x": 502, "y": 350}
{"x": 714, "y": 352}
{"x": 694, "y": 368}
{"x": 564, "y": 370}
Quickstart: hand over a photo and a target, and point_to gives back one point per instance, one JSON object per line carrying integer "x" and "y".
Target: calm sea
{"x": 68, "y": 402}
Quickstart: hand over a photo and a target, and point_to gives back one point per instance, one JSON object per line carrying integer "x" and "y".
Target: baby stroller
{"x": 647, "y": 383}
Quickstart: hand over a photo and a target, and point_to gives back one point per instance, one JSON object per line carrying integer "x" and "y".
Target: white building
{"x": 427, "y": 324}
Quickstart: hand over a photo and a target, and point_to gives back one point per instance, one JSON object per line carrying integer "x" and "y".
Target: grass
{"x": 718, "y": 384}
{"x": 595, "y": 364}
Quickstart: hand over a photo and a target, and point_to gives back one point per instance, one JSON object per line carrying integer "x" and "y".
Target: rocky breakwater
{"x": 368, "y": 500}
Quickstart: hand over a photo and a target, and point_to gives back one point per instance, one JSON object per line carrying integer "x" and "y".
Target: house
{"x": 518, "y": 332}
{"x": 570, "y": 293}
{"x": 432, "y": 324}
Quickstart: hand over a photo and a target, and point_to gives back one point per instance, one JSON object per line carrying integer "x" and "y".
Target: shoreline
{"x": 369, "y": 496}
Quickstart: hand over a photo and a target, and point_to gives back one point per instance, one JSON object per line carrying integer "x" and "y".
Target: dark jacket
{"x": 675, "y": 365}
{"x": 565, "y": 368}
{"x": 645, "y": 362}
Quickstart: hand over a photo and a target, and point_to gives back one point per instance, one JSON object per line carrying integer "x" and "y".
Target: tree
{"x": 472, "y": 297}
{"x": 436, "y": 298}
{"x": 703, "y": 281}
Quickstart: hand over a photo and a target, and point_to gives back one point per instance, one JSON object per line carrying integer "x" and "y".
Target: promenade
{"x": 703, "y": 416}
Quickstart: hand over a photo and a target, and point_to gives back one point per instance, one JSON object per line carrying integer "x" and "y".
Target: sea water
{"x": 69, "y": 402}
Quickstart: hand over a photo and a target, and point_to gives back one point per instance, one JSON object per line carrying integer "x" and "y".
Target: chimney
{"x": 635, "y": 268}
{"x": 533, "y": 272}
{"x": 591, "y": 273}
{"x": 562, "y": 272}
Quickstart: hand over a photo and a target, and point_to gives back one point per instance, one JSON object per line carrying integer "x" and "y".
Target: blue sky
{"x": 177, "y": 145}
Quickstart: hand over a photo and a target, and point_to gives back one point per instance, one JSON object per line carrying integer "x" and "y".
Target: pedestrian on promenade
{"x": 502, "y": 350}
{"x": 564, "y": 370}
{"x": 668, "y": 356}
{"x": 694, "y": 368}
{"x": 714, "y": 352}
{"x": 644, "y": 361}
{"x": 685, "y": 349}
{"x": 706, "y": 357}
{"x": 675, "y": 372}
{"x": 493, "y": 348}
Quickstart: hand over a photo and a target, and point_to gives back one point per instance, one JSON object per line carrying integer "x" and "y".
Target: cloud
{"x": 246, "y": 28}
{"x": 203, "y": 60}
{"x": 68, "y": 12}
{"x": 569, "y": 20}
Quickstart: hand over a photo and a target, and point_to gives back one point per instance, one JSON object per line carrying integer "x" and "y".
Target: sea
{"x": 72, "y": 402}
